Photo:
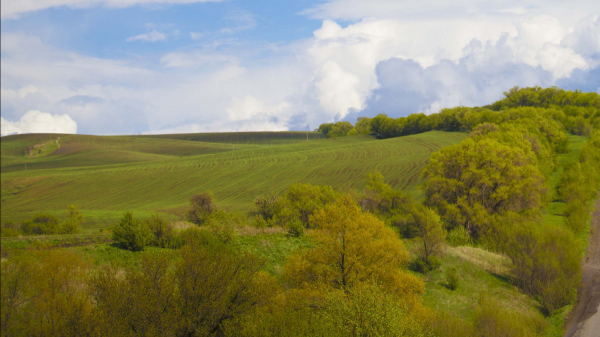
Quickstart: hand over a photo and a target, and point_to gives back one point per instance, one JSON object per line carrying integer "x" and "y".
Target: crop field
{"x": 284, "y": 137}
{"x": 106, "y": 176}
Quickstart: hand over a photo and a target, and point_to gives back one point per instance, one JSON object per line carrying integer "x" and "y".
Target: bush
{"x": 492, "y": 320}
{"x": 41, "y": 224}
{"x": 131, "y": 234}
{"x": 203, "y": 206}
{"x": 459, "y": 236}
{"x": 163, "y": 232}
{"x": 195, "y": 236}
{"x": 425, "y": 266}
{"x": 452, "y": 278}
{"x": 266, "y": 205}
{"x": 546, "y": 265}
{"x": 295, "y": 228}
{"x": 9, "y": 229}
{"x": 74, "y": 221}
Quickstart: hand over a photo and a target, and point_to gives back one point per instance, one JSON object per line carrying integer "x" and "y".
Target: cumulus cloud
{"x": 152, "y": 36}
{"x": 400, "y": 57}
{"x": 12, "y": 9}
{"x": 35, "y": 121}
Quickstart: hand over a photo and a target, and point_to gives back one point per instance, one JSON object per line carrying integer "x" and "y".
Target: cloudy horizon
{"x": 180, "y": 66}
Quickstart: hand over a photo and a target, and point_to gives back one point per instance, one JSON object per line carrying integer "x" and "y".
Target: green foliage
{"x": 368, "y": 310}
{"x": 131, "y": 233}
{"x": 203, "y": 206}
{"x": 163, "y": 232}
{"x": 74, "y": 220}
{"x": 546, "y": 265}
{"x": 353, "y": 248}
{"x": 266, "y": 205}
{"x": 295, "y": 228}
{"x": 9, "y": 229}
{"x": 425, "y": 266}
{"x": 459, "y": 236}
{"x": 339, "y": 129}
{"x": 41, "y": 224}
{"x": 430, "y": 233}
{"x": 363, "y": 126}
{"x": 494, "y": 321}
{"x": 452, "y": 278}
{"x": 300, "y": 202}
{"x": 469, "y": 182}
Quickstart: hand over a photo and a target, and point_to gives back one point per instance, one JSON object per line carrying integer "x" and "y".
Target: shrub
{"x": 163, "y": 232}
{"x": 9, "y": 229}
{"x": 546, "y": 265}
{"x": 430, "y": 233}
{"x": 459, "y": 236}
{"x": 203, "y": 206}
{"x": 74, "y": 221}
{"x": 41, "y": 224}
{"x": 452, "y": 278}
{"x": 295, "y": 228}
{"x": 425, "y": 266}
{"x": 492, "y": 320}
{"x": 131, "y": 233}
{"x": 266, "y": 205}
{"x": 195, "y": 236}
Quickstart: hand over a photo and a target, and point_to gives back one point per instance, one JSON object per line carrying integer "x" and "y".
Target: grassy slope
{"x": 235, "y": 177}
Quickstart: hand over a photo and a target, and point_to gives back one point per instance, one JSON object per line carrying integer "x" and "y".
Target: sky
{"x": 110, "y": 67}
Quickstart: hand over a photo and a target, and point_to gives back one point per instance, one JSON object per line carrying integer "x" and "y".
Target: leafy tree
{"x": 203, "y": 206}
{"x": 353, "y": 248}
{"x": 367, "y": 310}
{"x": 475, "y": 179}
{"x": 74, "y": 220}
{"x": 430, "y": 233}
{"x": 301, "y": 201}
{"x": 266, "y": 205}
{"x": 363, "y": 125}
{"x": 325, "y": 128}
{"x": 131, "y": 233}
{"x": 546, "y": 265}
{"x": 163, "y": 232}
{"x": 340, "y": 129}
{"x": 215, "y": 285}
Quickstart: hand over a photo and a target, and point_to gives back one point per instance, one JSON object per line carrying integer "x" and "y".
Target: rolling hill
{"x": 106, "y": 176}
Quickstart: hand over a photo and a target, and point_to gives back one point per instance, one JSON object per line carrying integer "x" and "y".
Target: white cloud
{"x": 12, "y": 9}
{"x": 152, "y": 36}
{"x": 402, "y": 57}
{"x": 196, "y": 35}
{"x": 34, "y": 121}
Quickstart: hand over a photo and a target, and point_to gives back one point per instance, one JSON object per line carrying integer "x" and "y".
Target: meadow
{"x": 105, "y": 176}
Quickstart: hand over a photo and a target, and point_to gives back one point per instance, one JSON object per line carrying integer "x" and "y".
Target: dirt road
{"x": 585, "y": 317}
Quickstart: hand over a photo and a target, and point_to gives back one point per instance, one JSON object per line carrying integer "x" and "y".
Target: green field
{"x": 106, "y": 176}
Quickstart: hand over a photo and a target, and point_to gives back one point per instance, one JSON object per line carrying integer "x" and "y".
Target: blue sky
{"x": 157, "y": 66}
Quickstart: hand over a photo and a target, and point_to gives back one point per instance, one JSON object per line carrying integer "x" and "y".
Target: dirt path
{"x": 57, "y": 143}
{"x": 585, "y": 317}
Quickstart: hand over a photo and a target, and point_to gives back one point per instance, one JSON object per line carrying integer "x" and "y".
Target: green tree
{"x": 469, "y": 182}
{"x": 131, "y": 233}
{"x": 353, "y": 248}
{"x": 74, "y": 221}
{"x": 430, "y": 233}
{"x": 203, "y": 206}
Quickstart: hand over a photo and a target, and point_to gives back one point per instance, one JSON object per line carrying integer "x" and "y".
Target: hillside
{"x": 108, "y": 175}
